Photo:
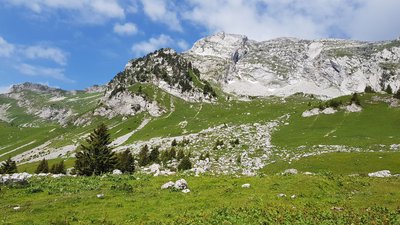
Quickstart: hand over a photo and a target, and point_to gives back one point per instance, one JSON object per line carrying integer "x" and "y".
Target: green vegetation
{"x": 8, "y": 167}
{"x": 212, "y": 200}
{"x": 43, "y": 167}
{"x": 96, "y": 157}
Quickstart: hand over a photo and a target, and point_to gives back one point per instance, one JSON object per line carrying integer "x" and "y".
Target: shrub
{"x": 180, "y": 154}
{"x": 154, "y": 154}
{"x": 397, "y": 94}
{"x": 355, "y": 99}
{"x": 368, "y": 89}
{"x": 389, "y": 90}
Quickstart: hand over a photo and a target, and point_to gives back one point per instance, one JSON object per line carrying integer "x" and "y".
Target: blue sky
{"x": 77, "y": 43}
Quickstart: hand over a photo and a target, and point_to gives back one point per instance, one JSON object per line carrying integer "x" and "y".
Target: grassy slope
{"x": 376, "y": 124}
{"x": 215, "y": 200}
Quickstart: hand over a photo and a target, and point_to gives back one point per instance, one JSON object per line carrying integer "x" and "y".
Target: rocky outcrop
{"x": 284, "y": 66}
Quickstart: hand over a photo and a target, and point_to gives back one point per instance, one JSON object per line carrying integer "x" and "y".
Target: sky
{"x": 73, "y": 44}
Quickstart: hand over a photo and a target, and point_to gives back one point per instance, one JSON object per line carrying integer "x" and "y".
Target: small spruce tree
{"x": 389, "y": 90}
{"x": 125, "y": 162}
{"x": 58, "y": 168}
{"x": 9, "y": 167}
{"x": 96, "y": 157}
{"x": 185, "y": 163}
{"x": 154, "y": 154}
{"x": 354, "y": 99}
{"x": 174, "y": 143}
{"x": 172, "y": 153}
{"x": 43, "y": 167}
{"x": 180, "y": 154}
{"x": 144, "y": 156}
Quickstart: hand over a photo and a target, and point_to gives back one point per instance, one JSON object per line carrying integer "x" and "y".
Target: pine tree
{"x": 96, "y": 157}
{"x": 125, "y": 162}
{"x": 172, "y": 153}
{"x": 8, "y": 167}
{"x": 43, "y": 167}
{"x": 58, "y": 168}
{"x": 185, "y": 164}
{"x": 355, "y": 99}
{"x": 180, "y": 154}
{"x": 174, "y": 143}
{"x": 144, "y": 156}
{"x": 154, "y": 154}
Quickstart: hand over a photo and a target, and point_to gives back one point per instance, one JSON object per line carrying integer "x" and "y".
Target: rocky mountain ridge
{"x": 284, "y": 66}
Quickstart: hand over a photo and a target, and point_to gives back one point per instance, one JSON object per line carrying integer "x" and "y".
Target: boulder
{"x": 186, "y": 191}
{"x": 246, "y": 186}
{"x": 167, "y": 185}
{"x": 281, "y": 195}
{"x": 181, "y": 184}
{"x": 101, "y": 196}
{"x": 117, "y": 172}
{"x": 290, "y": 172}
{"x": 382, "y": 173}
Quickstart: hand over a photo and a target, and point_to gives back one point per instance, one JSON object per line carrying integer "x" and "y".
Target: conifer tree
{"x": 8, "y": 167}
{"x": 180, "y": 154}
{"x": 397, "y": 94}
{"x": 58, "y": 168}
{"x": 43, "y": 167}
{"x": 185, "y": 164}
{"x": 389, "y": 90}
{"x": 125, "y": 162}
{"x": 154, "y": 154}
{"x": 144, "y": 156}
{"x": 96, "y": 157}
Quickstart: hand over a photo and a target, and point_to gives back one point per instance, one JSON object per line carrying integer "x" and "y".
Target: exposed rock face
{"x": 284, "y": 66}
{"x": 126, "y": 103}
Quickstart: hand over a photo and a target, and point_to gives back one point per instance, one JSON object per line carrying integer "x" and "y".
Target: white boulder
{"x": 290, "y": 172}
{"x": 382, "y": 173}
{"x": 167, "y": 185}
{"x": 246, "y": 186}
{"x": 117, "y": 172}
{"x": 186, "y": 191}
{"x": 312, "y": 112}
{"x": 181, "y": 184}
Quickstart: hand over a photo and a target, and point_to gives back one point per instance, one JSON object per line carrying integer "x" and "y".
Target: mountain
{"x": 284, "y": 66}
{"x": 245, "y": 104}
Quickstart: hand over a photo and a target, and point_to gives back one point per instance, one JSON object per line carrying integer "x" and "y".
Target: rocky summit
{"x": 284, "y": 66}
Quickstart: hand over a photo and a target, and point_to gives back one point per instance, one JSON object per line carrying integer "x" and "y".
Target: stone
{"x": 281, "y": 195}
{"x": 17, "y": 208}
{"x": 117, "y": 172}
{"x": 167, "y": 185}
{"x": 293, "y": 196}
{"x": 381, "y": 174}
{"x": 186, "y": 191}
{"x": 246, "y": 186}
{"x": 101, "y": 196}
{"x": 181, "y": 184}
{"x": 290, "y": 172}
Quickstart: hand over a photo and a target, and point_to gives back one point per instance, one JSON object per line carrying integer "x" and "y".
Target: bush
{"x": 8, "y": 167}
{"x": 43, "y": 167}
{"x": 180, "y": 154}
{"x": 154, "y": 154}
{"x": 355, "y": 99}
{"x": 185, "y": 164}
{"x": 96, "y": 157}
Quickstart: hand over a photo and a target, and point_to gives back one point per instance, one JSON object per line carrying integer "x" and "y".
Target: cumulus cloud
{"x": 152, "y": 44}
{"x": 54, "y": 73}
{"x": 125, "y": 29}
{"x": 266, "y": 19}
{"x": 162, "y": 11}
{"x": 6, "y": 49}
{"x": 89, "y": 11}
{"x": 54, "y": 54}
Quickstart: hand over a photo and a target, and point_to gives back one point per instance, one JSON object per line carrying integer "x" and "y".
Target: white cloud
{"x": 6, "y": 49}
{"x": 162, "y": 11}
{"x": 125, "y": 29}
{"x": 152, "y": 44}
{"x": 54, "y": 54}
{"x": 54, "y": 73}
{"x": 89, "y": 11}
{"x": 266, "y": 19}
